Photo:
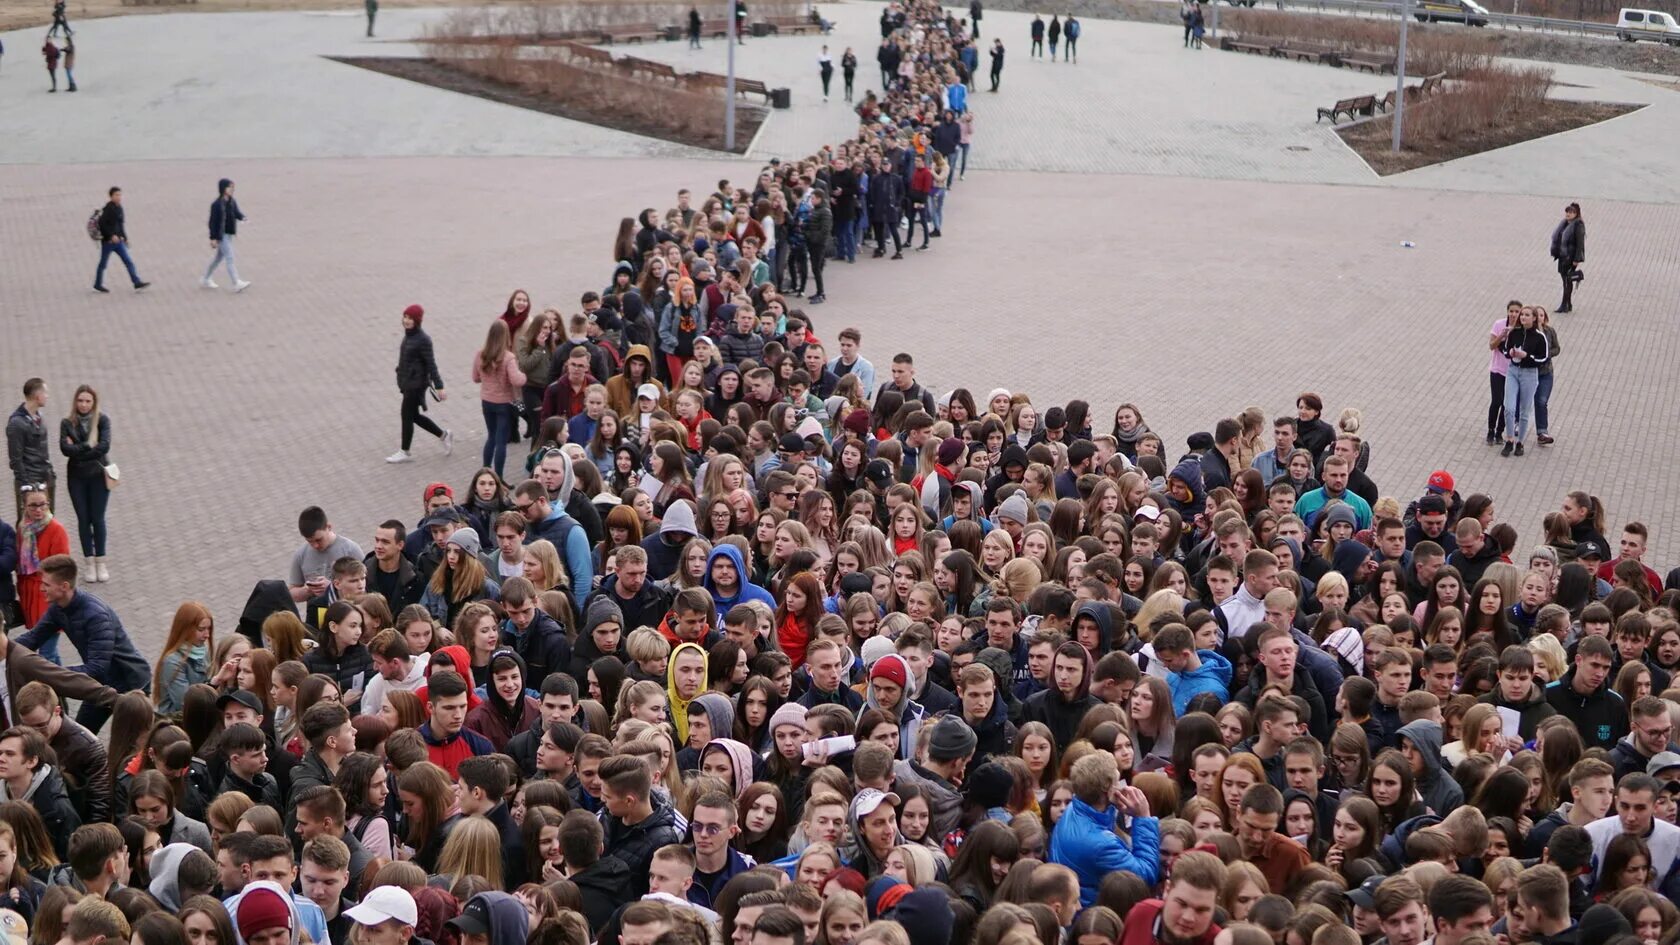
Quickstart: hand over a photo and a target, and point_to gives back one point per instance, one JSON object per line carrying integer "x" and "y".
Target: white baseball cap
{"x": 383, "y": 904}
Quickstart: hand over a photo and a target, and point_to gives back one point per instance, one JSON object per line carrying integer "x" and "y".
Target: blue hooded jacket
{"x": 1214, "y": 675}
{"x": 1189, "y": 472}
{"x": 1084, "y": 841}
{"x": 745, "y": 592}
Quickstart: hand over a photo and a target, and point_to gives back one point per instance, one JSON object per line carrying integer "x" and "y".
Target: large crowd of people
{"x": 761, "y": 647}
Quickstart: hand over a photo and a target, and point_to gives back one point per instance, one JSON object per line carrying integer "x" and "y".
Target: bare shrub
{"x": 1427, "y": 51}
{"x": 572, "y": 19}
{"x": 1490, "y": 98}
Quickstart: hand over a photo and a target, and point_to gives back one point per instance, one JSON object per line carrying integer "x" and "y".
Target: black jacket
{"x": 1569, "y": 241}
{"x": 603, "y": 886}
{"x": 224, "y": 218}
{"x": 351, "y": 669}
{"x": 522, "y": 748}
{"x": 634, "y": 846}
{"x": 49, "y": 798}
{"x": 85, "y": 461}
{"x": 1600, "y": 716}
{"x": 408, "y": 584}
{"x": 645, "y": 609}
{"x": 1321, "y": 724}
{"x": 112, "y": 222}
{"x": 82, "y": 763}
{"x": 995, "y": 735}
{"x": 543, "y": 647}
{"x": 886, "y": 195}
{"x": 264, "y": 790}
{"x": 416, "y": 367}
{"x": 1063, "y": 717}
{"x": 26, "y": 447}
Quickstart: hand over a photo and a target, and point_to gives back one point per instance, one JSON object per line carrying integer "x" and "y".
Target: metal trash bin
{"x": 781, "y": 98}
{"x": 673, "y": 33}
{"x": 761, "y": 29}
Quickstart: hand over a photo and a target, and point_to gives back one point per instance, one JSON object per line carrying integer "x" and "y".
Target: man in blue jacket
{"x": 1084, "y": 839}
{"x": 1190, "y": 672}
{"x": 93, "y": 628}
{"x": 549, "y": 521}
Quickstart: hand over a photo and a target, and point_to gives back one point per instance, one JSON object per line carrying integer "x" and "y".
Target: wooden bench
{"x": 751, "y": 87}
{"x": 1362, "y": 105}
{"x": 1255, "y": 49}
{"x": 1386, "y": 103}
{"x": 589, "y": 53}
{"x": 790, "y": 24}
{"x": 632, "y": 33}
{"x": 1306, "y": 54}
{"x": 1367, "y": 64}
{"x": 716, "y": 29}
{"x": 658, "y": 70}
{"x": 1432, "y": 84}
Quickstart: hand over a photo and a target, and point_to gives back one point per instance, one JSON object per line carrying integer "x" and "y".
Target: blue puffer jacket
{"x": 1214, "y": 675}
{"x": 1085, "y": 842}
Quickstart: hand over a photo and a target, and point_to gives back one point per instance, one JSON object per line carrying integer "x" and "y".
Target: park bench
{"x": 1368, "y": 64}
{"x": 751, "y": 86}
{"x": 790, "y": 24}
{"x": 632, "y": 33}
{"x": 714, "y": 28}
{"x": 589, "y": 53}
{"x": 1307, "y": 54}
{"x": 658, "y": 70}
{"x": 1386, "y": 103}
{"x": 1255, "y": 49}
{"x": 1360, "y": 105}
{"x": 1431, "y": 84}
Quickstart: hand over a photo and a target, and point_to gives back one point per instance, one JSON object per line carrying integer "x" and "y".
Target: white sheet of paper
{"x": 1509, "y": 720}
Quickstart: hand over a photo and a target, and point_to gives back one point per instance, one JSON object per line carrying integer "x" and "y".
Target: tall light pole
{"x": 729, "y": 82}
{"x": 1400, "y": 75}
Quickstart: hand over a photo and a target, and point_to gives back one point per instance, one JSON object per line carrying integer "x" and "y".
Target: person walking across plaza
{"x": 417, "y": 372}
{"x": 26, "y": 447}
{"x": 1037, "y": 34}
{"x": 975, "y": 10}
{"x": 848, "y": 70}
{"x": 1055, "y": 35}
{"x": 113, "y": 238}
{"x": 825, "y": 68}
{"x": 1187, "y": 13}
{"x": 1070, "y": 31}
{"x": 224, "y": 225}
{"x": 693, "y": 27}
{"x": 1569, "y": 249}
{"x": 84, "y": 437}
{"x": 372, "y": 7}
{"x": 496, "y": 370}
{"x": 997, "y": 61}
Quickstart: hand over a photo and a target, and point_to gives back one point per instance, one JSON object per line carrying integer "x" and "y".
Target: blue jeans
{"x": 845, "y": 241}
{"x": 938, "y": 209}
{"x": 121, "y": 249}
{"x": 964, "y": 169}
{"x": 89, "y": 497}
{"x": 1520, "y": 384}
{"x": 1542, "y": 394}
{"x": 498, "y": 426}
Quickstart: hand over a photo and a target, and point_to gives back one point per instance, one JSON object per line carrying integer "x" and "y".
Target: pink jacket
{"x": 503, "y": 386}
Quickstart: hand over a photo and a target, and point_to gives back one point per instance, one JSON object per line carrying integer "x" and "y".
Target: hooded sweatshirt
{"x": 166, "y": 875}
{"x": 47, "y": 795}
{"x": 306, "y": 915}
{"x": 463, "y": 665}
{"x": 909, "y": 713}
{"x": 542, "y": 647}
{"x": 719, "y": 712}
{"x": 1062, "y": 714}
{"x": 498, "y": 720}
{"x": 1439, "y": 791}
{"x": 509, "y": 922}
{"x": 621, "y": 390}
{"x": 1214, "y": 675}
{"x": 745, "y": 589}
{"x": 679, "y": 705}
{"x": 740, "y": 759}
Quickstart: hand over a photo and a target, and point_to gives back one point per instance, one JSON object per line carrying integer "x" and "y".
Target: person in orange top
{"x": 40, "y": 536}
{"x": 797, "y": 616}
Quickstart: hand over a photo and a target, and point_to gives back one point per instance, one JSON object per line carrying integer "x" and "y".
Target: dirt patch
{"x": 585, "y": 106}
{"x": 1372, "y": 138}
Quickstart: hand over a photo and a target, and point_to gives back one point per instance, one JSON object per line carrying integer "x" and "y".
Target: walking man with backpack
{"x": 110, "y": 229}
{"x": 1070, "y": 32}
{"x": 224, "y": 224}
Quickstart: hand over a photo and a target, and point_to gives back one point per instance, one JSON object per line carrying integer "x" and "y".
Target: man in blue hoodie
{"x": 726, "y": 579}
{"x": 547, "y": 520}
{"x": 1190, "y": 672}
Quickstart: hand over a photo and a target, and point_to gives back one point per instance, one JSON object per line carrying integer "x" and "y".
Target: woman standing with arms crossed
{"x": 1569, "y": 248}
{"x": 85, "y": 439}
{"x": 496, "y": 371}
{"x": 416, "y": 371}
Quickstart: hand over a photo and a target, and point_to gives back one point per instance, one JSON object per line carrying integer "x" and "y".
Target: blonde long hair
{"x": 474, "y": 848}
{"x": 93, "y": 415}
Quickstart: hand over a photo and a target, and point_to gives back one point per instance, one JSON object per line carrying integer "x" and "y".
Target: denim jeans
{"x": 498, "y": 426}
{"x": 121, "y": 249}
{"x": 89, "y": 496}
{"x": 845, "y": 241}
{"x": 224, "y": 253}
{"x": 938, "y": 209}
{"x": 1542, "y": 394}
{"x": 1520, "y": 384}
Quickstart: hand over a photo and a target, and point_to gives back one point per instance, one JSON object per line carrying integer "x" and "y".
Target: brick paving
{"x": 1191, "y": 295}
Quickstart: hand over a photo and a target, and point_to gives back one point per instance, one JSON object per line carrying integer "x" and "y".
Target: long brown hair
{"x": 431, "y": 784}
{"x": 93, "y": 415}
{"x": 187, "y": 618}
{"x": 497, "y": 342}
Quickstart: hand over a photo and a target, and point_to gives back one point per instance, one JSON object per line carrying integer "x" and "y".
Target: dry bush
{"x": 573, "y": 18}
{"x": 1490, "y": 98}
{"x": 1427, "y": 51}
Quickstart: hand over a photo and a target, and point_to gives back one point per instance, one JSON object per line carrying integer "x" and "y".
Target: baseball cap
{"x": 447, "y": 516}
{"x": 792, "y": 443}
{"x": 1662, "y": 760}
{"x": 1588, "y": 549}
{"x": 879, "y": 472}
{"x": 1432, "y": 504}
{"x": 647, "y": 392}
{"x": 1671, "y": 787}
{"x": 1149, "y": 512}
{"x": 244, "y": 697}
{"x": 1440, "y": 481}
{"x": 383, "y": 904}
{"x": 869, "y": 799}
{"x": 1365, "y": 896}
{"x": 474, "y": 918}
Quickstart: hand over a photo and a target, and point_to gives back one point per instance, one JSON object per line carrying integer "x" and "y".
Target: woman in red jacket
{"x": 40, "y": 536}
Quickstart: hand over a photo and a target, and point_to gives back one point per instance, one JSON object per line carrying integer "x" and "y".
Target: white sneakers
{"x": 400, "y": 456}
{"x": 101, "y": 574}
{"x": 449, "y": 442}
{"x": 242, "y": 285}
{"x": 208, "y": 284}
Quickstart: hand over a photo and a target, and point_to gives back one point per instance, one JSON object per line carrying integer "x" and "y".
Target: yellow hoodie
{"x": 679, "y": 705}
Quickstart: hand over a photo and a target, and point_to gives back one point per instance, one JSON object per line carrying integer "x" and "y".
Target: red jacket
{"x": 1140, "y": 926}
{"x": 921, "y": 182}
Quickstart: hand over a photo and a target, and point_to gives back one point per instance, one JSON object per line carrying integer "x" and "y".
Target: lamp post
{"x": 1400, "y": 75}
{"x": 729, "y": 82}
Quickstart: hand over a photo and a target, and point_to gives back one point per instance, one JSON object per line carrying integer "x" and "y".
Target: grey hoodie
{"x": 1438, "y": 790}
{"x": 166, "y": 870}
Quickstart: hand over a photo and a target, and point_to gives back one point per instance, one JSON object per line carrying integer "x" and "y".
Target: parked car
{"x": 1656, "y": 25}
{"x": 1468, "y": 12}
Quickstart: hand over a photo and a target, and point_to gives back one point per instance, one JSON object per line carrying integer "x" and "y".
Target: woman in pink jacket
{"x": 496, "y": 370}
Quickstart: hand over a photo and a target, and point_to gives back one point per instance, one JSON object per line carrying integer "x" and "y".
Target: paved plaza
{"x": 1173, "y": 266}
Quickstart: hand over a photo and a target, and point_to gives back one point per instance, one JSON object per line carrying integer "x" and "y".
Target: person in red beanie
{"x": 264, "y": 917}
{"x": 417, "y": 371}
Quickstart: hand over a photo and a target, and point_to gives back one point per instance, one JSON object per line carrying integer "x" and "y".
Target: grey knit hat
{"x": 467, "y": 539}
{"x": 952, "y": 739}
{"x": 1014, "y": 509}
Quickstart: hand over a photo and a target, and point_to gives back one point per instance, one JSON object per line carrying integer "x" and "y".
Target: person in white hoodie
{"x": 396, "y": 669}
{"x": 264, "y": 914}
{"x": 1636, "y": 813}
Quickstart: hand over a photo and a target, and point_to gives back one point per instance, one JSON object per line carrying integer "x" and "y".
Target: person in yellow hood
{"x": 638, "y": 370}
{"x": 685, "y": 679}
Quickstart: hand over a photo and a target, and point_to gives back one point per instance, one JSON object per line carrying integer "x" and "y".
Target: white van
{"x": 1647, "y": 24}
